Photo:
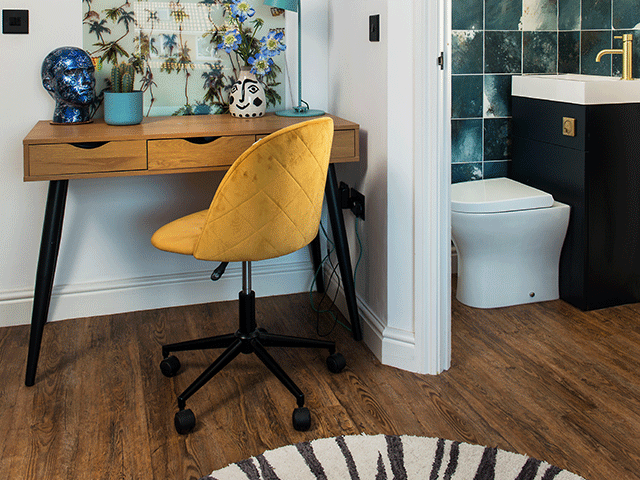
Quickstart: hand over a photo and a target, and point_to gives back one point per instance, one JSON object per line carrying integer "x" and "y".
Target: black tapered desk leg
{"x": 49, "y": 247}
{"x": 342, "y": 250}
{"x": 316, "y": 253}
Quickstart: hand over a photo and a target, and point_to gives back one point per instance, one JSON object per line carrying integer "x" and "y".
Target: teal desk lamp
{"x": 302, "y": 109}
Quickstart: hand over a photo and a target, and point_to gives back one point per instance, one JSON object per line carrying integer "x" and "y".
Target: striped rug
{"x": 389, "y": 457}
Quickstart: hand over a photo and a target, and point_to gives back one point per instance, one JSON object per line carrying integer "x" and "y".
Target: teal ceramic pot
{"x": 123, "y": 108}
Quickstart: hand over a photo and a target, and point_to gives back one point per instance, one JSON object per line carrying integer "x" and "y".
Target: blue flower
{"x": 272, "y": 44}
{"x": 241, "y": 9}
{"x": 230, "y": 41}
{"x": 260, "y": 65}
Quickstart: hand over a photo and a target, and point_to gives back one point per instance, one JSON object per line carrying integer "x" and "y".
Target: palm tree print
{"x": 160, "y": 40}
{"x": 98, "y": 27}
{"x": 215, "y": 84}
{"x": 169, "y": 42}
{"x": 127, "y": 18}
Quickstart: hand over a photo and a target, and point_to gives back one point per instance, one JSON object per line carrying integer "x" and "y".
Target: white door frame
{"x": 433, "y": 170}
{"x": 419, "y": 178}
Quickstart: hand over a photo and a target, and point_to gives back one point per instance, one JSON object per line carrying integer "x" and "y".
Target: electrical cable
{"x": 325, "y": 295}
{"x": 355, "y": 270}
{"x": 333, "y": 272}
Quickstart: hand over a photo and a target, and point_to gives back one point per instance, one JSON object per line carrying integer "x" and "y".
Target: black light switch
{"x": 15, "y": 21}
{"x": 374, "y": 28}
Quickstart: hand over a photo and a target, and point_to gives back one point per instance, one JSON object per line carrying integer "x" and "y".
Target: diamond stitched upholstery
{"x": 268, "y": 203}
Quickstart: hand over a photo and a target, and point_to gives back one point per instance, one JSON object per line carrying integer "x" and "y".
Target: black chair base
{"x": 247, "y": 339}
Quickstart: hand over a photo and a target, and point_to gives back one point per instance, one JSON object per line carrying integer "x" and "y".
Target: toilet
{"x": 508, "y": 237}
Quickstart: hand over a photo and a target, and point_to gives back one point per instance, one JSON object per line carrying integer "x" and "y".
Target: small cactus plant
{"x": 122, "y": 77}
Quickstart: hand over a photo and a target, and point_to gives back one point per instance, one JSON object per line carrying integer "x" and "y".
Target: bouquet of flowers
{"x": 236, "y": 38}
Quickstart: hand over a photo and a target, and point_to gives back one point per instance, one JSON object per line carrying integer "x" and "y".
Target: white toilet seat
{"x": 497, "y": 195}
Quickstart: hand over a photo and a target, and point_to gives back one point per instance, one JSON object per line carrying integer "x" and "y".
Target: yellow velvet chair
{"x": 267, "y": 205}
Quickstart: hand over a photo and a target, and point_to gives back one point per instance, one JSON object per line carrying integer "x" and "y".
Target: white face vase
{"x": 247, "y": 98}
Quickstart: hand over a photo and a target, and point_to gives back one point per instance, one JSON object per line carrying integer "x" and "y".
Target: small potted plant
{"x": 122, "y": 104}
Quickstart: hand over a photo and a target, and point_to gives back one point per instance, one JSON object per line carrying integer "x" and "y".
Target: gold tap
{"x": 627, "y": 55}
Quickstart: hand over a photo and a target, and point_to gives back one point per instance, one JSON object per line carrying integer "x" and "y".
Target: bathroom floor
{"x": 551, "y": 372}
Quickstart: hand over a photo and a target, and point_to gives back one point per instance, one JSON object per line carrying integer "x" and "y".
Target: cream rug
{"x": 387, "y": 457}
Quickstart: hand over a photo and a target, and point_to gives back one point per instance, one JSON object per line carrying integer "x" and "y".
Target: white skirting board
{"x": 135, "y": 294}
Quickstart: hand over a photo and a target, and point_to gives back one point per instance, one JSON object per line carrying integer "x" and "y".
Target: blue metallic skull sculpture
{"x": 68, "y": 76}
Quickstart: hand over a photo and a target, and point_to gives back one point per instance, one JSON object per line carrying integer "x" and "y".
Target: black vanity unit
{"x": 597, "y": 172}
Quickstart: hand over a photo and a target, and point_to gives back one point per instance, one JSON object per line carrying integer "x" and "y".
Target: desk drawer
{"x": 198, "y": 152}
{"x": 81, "y": 158}
{"x": 344, "y": 145}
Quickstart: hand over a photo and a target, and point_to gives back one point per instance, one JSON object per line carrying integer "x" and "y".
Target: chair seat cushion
{"x": 181, "y": 235}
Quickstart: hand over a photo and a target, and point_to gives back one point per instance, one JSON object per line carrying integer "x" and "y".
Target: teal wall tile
{"x": 540, "y": 52}
{"x": 466, "y": 96}
{"x": 596, "y": 14}
{"x": 497, "y": 139}
{"x": 626, "y": 14}
{"x": 503, "y": 14}
{"x": 467, "y": 15}
{"x": 466, "y": 141}
{"x": 568, "y": 52}
{"x": 539, "y": 15}
{"x": 503, "y": 52}
{"x": 569, "y": 15}
{"x": 466, "y": 51}
{"x": 497, "y": 96}
{"x": 463, "y": 172}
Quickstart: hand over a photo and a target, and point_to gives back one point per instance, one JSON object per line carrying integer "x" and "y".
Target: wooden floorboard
{"x": 545, "y": 380}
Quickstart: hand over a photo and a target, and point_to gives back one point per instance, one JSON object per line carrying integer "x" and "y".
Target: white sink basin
{"x": 578, "y": 89}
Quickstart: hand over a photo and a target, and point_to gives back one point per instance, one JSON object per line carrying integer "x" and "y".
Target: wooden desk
{"x": 159, "y": 145}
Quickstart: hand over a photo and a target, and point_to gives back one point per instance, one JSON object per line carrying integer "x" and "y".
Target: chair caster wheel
{"x": 336, "y": 362}
{"x": 170, "y": 366}
{"x": 301, "y": 419}
{"x": 184, "y": 421}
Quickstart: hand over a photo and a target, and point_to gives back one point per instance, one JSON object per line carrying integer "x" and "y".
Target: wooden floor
{"x": 544, "y": 380}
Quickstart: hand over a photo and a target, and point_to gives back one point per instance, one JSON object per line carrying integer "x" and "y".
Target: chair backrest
{"x": 270, "y": 201}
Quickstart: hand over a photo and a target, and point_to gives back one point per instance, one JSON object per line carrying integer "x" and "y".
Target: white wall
{"x": 315, "y": 32}
{"x": 358, "y": 91}
{"x": 106, "y": 263}
{"x": 24, "y": 101}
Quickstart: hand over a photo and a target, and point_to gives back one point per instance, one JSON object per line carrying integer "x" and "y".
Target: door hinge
{"x": 441, "y": 60}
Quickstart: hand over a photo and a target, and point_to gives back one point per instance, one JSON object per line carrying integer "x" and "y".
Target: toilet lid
{"x": 496, "y": 195}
